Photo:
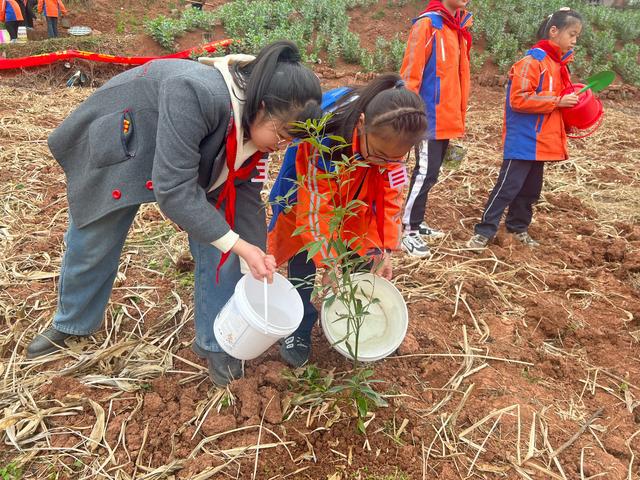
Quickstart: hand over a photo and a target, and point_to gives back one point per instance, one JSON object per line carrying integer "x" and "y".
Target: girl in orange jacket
{"x": 534, "y": 132}
{"x": 436, "y": 66}
{"x": 382, "y": 121}
{"x": 52, "y": 10}
{"x": 11, "y": 16}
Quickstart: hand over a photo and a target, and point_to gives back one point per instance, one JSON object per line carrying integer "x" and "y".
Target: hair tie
{"x": 399, "y": 84}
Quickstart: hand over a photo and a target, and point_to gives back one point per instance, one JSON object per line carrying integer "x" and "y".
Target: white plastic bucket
{"x": 240, "y": 327}
{"x": 384, "y": 328}
{"x": 22, "y": 34}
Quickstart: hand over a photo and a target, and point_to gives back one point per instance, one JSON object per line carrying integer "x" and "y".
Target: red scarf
{"x": 375, "y": 189}
{"x": 228, "y": 193}
{"x": 453, "y": 21}
{"x": 554, "y": 53}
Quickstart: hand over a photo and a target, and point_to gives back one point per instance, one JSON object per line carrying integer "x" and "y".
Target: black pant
{"x": 12, "y": 28}
{"x": 518, "y": 187}
{"x": 429, "y": 159}
{"x": 197, "y": 5}
{"x": 299, "y": 271}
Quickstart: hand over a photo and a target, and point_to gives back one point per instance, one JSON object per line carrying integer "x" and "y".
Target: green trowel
{"x": 599, "y": 81}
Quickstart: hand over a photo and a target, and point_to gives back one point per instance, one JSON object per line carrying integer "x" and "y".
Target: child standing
{"x": 436, "y": 66}
{"x": 189, "y": 136}
{"x": 382, "y": 121}
{"x": 52, "y": 10}
{"x": 11, "y": 15}
{"x": 533, "y": 132}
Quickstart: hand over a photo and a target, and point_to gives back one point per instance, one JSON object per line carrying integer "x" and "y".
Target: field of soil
{"x": 519, "y": 363}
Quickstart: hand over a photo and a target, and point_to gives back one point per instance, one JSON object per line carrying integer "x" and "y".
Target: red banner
{"x": 48, "y": 58}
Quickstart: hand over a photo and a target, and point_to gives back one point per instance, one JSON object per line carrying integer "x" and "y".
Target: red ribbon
{"x": 228, "y": 193}
{"x": 453, "y": 21}
{"x": 554, "y": 53}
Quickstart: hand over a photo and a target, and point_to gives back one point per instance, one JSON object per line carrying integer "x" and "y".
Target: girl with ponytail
{"x": 382, "y": 121}
{"x": 189, "y": 135}
{"x": 534, "y": 131}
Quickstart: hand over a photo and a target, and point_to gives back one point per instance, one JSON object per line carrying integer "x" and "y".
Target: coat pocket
{"x": 113, "y": 138}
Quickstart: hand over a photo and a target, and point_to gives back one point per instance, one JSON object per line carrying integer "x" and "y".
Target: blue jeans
{"x": 90, "y": 265}
{"x": 52, "y": 27}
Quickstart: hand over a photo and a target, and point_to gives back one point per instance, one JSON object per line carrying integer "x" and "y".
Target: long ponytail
{"x": 386, "y": 104}
{"x": 278, "y": 82}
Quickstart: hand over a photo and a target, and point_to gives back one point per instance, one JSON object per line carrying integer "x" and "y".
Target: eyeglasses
{"x": 381, "y": 158}
{"x": 282, "y": 142}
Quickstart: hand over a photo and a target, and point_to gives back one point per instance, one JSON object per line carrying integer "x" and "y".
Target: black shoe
{"x": 223, "y": 368}
{"x": 49, "y": 341}
{"x": 295, "y": 350}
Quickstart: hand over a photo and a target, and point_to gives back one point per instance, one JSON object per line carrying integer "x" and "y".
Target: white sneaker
{"x": 430, "y": 233}
{"x": 414, "y": 245}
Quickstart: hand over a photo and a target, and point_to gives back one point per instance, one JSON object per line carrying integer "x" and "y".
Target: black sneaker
{"x": 295, "y": 350}
{"x": 223, "y": 368}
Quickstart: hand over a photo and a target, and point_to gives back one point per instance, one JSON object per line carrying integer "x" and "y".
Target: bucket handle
{"x": 590, "y": 132}
{"x": 266, "y": 307}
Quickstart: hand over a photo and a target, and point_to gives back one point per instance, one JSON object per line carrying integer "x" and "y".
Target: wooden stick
{"x": 575, "y": 436}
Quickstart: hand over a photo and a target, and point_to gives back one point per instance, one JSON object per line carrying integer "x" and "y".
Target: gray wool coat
{"x": 178, "y": 114}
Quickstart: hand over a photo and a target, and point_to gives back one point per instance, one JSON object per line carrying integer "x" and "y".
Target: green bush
{"x": 507, "y": 26}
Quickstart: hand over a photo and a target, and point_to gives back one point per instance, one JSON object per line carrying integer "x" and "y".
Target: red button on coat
{"x": 116, "y": 194}
{"x": 149, "y": 185}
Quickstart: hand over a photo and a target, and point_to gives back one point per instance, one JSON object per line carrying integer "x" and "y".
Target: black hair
{"x": 388, "y": 107}
{"x": 561, "y": 19}
{"x": 278, "y": 79}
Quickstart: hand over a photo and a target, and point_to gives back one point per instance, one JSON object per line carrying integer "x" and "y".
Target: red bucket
{"x": 585, "y": 114}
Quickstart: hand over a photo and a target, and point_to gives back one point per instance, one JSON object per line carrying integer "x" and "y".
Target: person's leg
{"x": 54, "y": 26}
{"x": 302, "y": 274}
{"x": 210, "y": 295}
{"x": 295, "y": 349}
{"x": 513, "y": 174}
{"x": 12, "y": 28}
{"x": 521, "y": 208}
{"x": 424, "y": 176}
{"x": 89, "y": 267}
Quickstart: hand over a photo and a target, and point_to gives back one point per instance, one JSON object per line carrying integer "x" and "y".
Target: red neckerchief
{"x": 228, "y": 193}
{"x": 453, "y": 21}
{"x": 375, "y": 188}
{"x": 554, "y": 53}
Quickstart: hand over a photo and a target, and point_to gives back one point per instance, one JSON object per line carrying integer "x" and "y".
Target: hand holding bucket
{"x": 257, "y": 316}
{"x": 588, "y": 112}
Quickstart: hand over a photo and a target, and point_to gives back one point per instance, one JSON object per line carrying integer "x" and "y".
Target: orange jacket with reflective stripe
{"x": 312, "y": 209}
{"x": 436, "y": 66}
{"x": 51, "y": 8}
{"x": 533, "y": 125}
{"x": 10, "y": 11}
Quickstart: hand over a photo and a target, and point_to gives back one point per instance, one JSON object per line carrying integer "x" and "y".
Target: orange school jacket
{"x": 51, "y": 8}
{"x": 10, "y": 11}
{"x": 436, "y": 67}
{"x": 310, "y": 207}
{"x": 533, "y": 126}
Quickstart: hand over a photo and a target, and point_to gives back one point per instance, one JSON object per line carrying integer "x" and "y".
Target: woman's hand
{"x": 260, "y": 264}
{"x": 382, "y": 266}
{"x": 569, "y": 100}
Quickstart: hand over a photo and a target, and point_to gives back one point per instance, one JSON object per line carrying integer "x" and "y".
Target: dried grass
{"x": 129, "y": 352}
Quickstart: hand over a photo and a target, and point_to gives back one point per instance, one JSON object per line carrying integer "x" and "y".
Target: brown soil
{"x": 562, "y": 322}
